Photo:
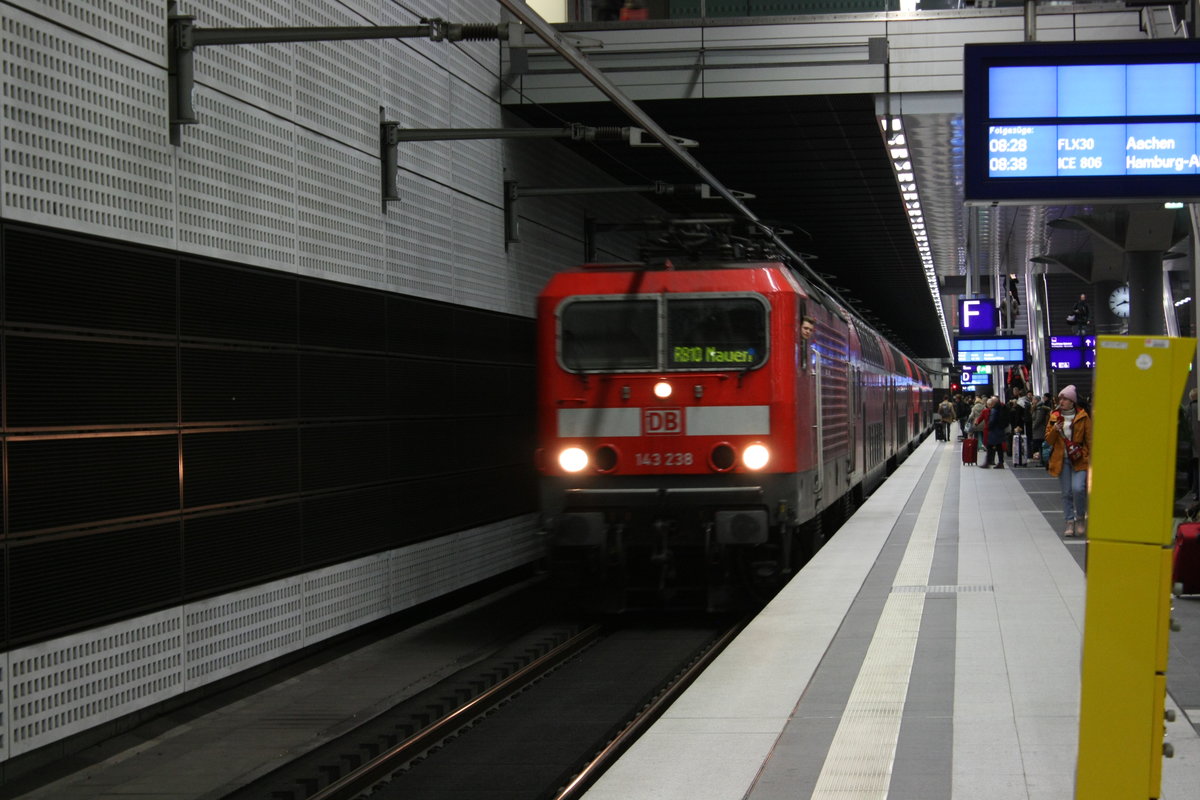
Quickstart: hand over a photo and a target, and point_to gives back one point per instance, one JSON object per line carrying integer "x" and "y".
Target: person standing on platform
{"x": 976, "y": 411}
{"x": 962, "y": 410}
{"x": 946, "y": 414}
{"x": 1037, "y": 427}
{"x": 1024, "y": 412}
{"x": 1017, "y": 426}
{"x": 1069, "y": 432}
{"x": 996, "y": 433}
{"x": 1080, "y": 316}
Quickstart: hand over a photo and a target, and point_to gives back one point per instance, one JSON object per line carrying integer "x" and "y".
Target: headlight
{"x": 756, "y": 456}
{"x": 662, "y": 390}
{"x": 572, "y": 459}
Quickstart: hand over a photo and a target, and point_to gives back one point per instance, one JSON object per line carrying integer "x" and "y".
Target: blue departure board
{"x": 1082, "y": 121}
{"x": 989, "y": 350}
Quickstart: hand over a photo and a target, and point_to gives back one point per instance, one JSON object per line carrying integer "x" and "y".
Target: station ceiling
{"x": 817, "y": 166}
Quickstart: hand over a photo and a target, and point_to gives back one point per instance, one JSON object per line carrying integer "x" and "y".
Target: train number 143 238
{"x": 664, "y": 459}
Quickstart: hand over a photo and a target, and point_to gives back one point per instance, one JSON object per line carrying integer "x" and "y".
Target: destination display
{"x": 1085, "y": 120}
{"x": 990, "y": 350}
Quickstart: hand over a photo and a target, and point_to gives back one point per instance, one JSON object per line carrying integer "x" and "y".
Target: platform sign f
{"x": 977, "y": 315}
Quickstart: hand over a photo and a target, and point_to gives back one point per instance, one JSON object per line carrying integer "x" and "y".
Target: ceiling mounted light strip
{"x": 897, "y": 148}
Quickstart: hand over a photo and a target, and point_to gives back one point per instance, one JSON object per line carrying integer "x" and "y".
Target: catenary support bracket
{"x": 391, "y": 134}
{"x": 183, "y": 37}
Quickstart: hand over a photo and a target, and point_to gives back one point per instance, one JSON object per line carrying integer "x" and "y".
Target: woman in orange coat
{"x": 1070, "y": 429}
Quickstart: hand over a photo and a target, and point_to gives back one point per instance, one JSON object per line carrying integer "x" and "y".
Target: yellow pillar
{"x": 1139, "y": 385}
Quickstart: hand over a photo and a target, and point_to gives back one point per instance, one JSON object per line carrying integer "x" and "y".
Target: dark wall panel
{"x": 239, "y": 385}
{"x": 420, "y": 447}
{"x": 177, "y": 427}
{"x": 222, "y": 302}
{"x": 340, "y": 385}
{"x": 418, "y": 388}
{"x": 266, "y": 465}
{"x": 51, "y": 279}
{"x": 342, "y": 316}
{"x": 96, "y": 577}
{"x": 419, "y": 327}
{"x": 347, "y": 524}
{"x": 343, "y": 456}
{"x": 74, "y": 482}
{"x": 229, "y": 551}
{"x": 73, "y": 383}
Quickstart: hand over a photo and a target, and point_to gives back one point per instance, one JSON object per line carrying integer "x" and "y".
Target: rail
{"x": 361, "y": 779}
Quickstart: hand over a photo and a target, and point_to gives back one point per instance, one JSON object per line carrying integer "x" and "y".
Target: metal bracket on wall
{"x": 513, "y": 192}
{"x": 391, "y": 134}
{"x": 183, "y": 37}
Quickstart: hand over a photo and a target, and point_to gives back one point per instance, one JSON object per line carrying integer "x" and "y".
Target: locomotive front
{"x": 668, "y": 429}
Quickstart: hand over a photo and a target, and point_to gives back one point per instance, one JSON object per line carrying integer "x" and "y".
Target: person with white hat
{"x": 1069, "y": 433}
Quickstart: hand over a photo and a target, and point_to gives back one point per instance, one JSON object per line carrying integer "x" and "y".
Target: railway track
{"x": 542, "y": 719}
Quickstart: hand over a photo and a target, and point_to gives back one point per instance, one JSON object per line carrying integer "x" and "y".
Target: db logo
{"x": 662, "y": 420}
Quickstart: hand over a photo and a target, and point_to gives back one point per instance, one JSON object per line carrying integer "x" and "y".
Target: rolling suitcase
{"x": 940, "y": 431}
{"x": 970, "y": 453}
{"x": 1186, "y": 570}
{"x": 1020, "y": 450}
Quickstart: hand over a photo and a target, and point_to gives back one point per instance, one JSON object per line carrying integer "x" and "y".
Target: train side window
{"x": 605, "y": 335}
{"x": 716, "y": 332}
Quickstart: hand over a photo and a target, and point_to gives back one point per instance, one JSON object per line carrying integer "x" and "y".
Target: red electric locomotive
{"x": 691, "y": 437}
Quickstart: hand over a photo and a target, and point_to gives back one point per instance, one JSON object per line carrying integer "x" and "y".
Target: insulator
{"x": 609, "y": 133}
{"x": 473, "y": 32}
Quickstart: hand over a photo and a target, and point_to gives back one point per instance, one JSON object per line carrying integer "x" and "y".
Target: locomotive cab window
{"x": 716, "y": 333}
{"x": 663, "y": 332}
{"x": 608, "y": 335}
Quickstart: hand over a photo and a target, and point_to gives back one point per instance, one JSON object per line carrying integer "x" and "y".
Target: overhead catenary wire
{"x": 598, "y": 79}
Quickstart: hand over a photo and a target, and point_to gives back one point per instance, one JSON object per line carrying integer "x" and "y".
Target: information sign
{"x": 1083, "y": 120}
{"x": 1072, "y": 352}
{"x": 989, "y": 350}
{"x": 977, "y": 316}
{"x": 972, "y": 375}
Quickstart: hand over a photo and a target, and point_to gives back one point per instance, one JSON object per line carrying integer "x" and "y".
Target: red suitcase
{"x": 1186, "y": 570}
{"x": 970, "y": 451}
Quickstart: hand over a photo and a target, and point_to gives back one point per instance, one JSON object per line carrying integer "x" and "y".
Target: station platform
{"x": 931, "y": 650}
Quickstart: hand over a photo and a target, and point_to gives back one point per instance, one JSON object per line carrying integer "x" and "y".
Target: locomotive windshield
{"x": 700, "y": 332}
{"x": 717, "y": 332}
{"x": 609, "y": 335}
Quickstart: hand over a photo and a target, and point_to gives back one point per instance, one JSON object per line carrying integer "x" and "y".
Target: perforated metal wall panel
{"x": 337, "y": 207}
{"x": 85, "y": 142}
{"x": 65, "y": 686}
{"x": 337, "y": 83}
{"x": 261, "y": 73}
{"x": 237, "y": 185}
{"x": 421, "y": 239}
